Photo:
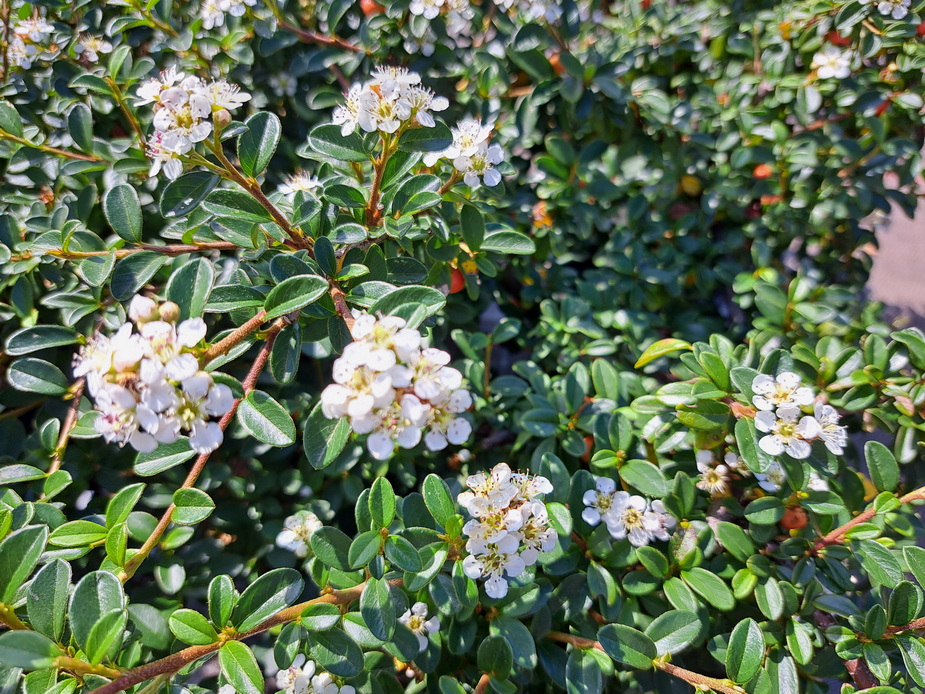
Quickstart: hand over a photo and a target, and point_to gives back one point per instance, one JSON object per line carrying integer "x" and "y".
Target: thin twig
{"x": 69, "y": 421}
{"x": 4, "y": 135}
{"x": 225, "y": 344}
{"x": 837, "y": 535}
{"x": 340, "y": 303}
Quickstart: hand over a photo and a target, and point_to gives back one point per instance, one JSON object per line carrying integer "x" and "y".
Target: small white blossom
{"x": 897, "y": 9}
{"x": 306, "y": 679}
{"x": 429, "y": 9}
{"x": 783, "y": 391}
{"x": 627, "y": 519}
{"x": 283, "y": 84}
{"x": 479, "y": 167}
{"x": 598, "y": 500}
{"x": 832, "y": 62}
{"x": 772, "y": 479}
{"x": 301, "y": 181}
{"x": 832, "y": 434}
{"x": 90, "y": 48}
{"x": 297, "y": 532}
{"x": 713, "y": 479}
{"x": 416, "y": 620}
{"x": 787, "y": 432}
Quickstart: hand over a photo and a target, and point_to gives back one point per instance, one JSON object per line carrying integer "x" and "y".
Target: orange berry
{"x": 762, "y": 171}
{"x": 794, "y": 518}
{"x": 457, "y": 281}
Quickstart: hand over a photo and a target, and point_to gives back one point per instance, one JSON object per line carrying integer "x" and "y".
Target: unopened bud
{"x": 170, "y": 312}
{"x": 142, "y": 309}
{"x": 221, "y": 118}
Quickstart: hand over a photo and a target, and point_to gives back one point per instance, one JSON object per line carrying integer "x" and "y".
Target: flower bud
{"x": 221, "y": 118}
{"x": 170, "y": 312}
{"x": 142, "y": 309}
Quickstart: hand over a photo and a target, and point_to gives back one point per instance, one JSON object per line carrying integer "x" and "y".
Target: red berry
{"x": 457, "y": 281}
{"x": 371, "y": 7}
{"x": 794, "y": 518}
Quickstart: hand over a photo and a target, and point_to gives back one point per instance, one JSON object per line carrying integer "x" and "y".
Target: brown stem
{"x": 695, "y": 679}
{"x": 181, "y": 659}
{"x": 170, "y": 250}
{"x": 444, "y": 189}
{"x": 914, "y": 625}
{"x": 838, "y": 534}
{"x": 340, "y": 303}
{"x": 127, "y": 112}
{"x": 250, "y": 381}
{"x": 482, "y": 686}
{"x": 372, "y": 208}
{"x": 311, "y": 37}
{"x": 4, "y": 135}
{"x": 252, "y": 187}
{"x": 82, "y": 667}
{"x": 69, "y": 421}
{"x": 225, "y": 344}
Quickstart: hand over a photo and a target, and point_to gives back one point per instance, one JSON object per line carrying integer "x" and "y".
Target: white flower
{"x": 297, "y": 532}
{"x": 627, "y": 519}
{"x": 300, "y": 181}
{"x": 783, "y": 391}
{"x": 429, "y": 9}
{"x": 90, "y": 47}
{"x": 34, "y": 30}
{"x": 735, "y": 463}
{"x": 222, "y": 94}
{"x": 787, "y": 431}
{"x": 712, "y": 479}
{"x": 416, "y": 620}
{"x": 212, "y": 14}
{"x": 895, "y": 8}
{"x": 478, "y": 167}
{"x": 832, "y": 434}
{"x": 162, "y": 158}
{"x": 773, "y": 478}
{"x": 150, "y": 91}
{"x": 598, "y": 500}
{"x": 492, "y": 562}
{"x": 832, "y": 62}
{"x": 283, "y": 84}
{"x": 659, "y": 522}
{"x": 816, "y": 484}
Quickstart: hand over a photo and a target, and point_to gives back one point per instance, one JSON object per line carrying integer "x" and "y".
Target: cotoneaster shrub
{"x": 453, "y": 347}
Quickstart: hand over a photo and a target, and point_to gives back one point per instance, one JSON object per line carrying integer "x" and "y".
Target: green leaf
{"x": 495, "y": 656}
{"x": 645, "y": 477}
{"x": 10, "y": 120}
{"x": 378, "y": 608}
{"x": 660, "y": 349}
{"x": 18, "y": 472}
{"x": 192, "y": 506}
{"x": 240, "y": 668}
{"x": 706, "y": 415}
{"x": 673, "y": 631}
{"x": 508, "y": 242}
{"x": 133, "y": 271}
{"x": 710, "y": 587}
{"x": 879, "y": 562}
{"x": 28, "y": 650}
{"x": 294, "y": 293}
{"x": 766, "y": 510}
{"x": 163, "y": 458}
{"x": 323, "y": 438}
{"x": 80, "y": 126}
{"x": 320, "y": 617}
{"x": 337, "y": 653}
{"x": 583, "y": 673}
{"x": 424, "y": 301}
{"x": 435, "y": 139}
{"x": 47, "y": 597}
{"x": 98, "y": 593}
{"x": 913, "y": 652}
{"x": 78, "y": 533}
{"x": 123, "y": 211}
{"x": 382, "y": 503}
{"x": 364, "y": 548}
{"x": 104, "y": 634}
{"x": 402, "y": 554}
{"x": 472, "y": 226}
{"x": 884, "y": 470}
{"x": 122, "y": 503}
{"x": 258, "y": 143}
{"x": 225, "y": 202}
{"x": 269, "y": 594}
{"x": 191, "y": 627}
{"x": 266, "y": 420}
{"x": 437, "y": 499}
{"x": 332, "y": 547}
{"x": 36, "y": 376}
{"x": 735, "y": 540}
{"x": 190, "y": 286}
{"x": 745, "y": 651}
{"x": 915, "y": 560}
{"x": 523, "y": 646}
{"x": 185, "y": 194}
{"x": 28, "y": 340}
{"x": 327, "y": 140}
{"x": 627, "y": 646}
{"x": 222, "y": 599}
{"x": 19, "y": 553}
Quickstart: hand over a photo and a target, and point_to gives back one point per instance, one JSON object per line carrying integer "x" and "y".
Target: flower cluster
{"x": 297, "y": 533}
{"x": 396, "y": 390}
{"x": 147, "y": 385}
{"x": 780, "y": 401}
{"x": 213, "y": 11}
{"x": 184, "y": 108}
{"x": 471, "y": 153}
{"x": 392, "y": 99}
{"x": 28, "y": 42}
{"x": 307, "y": 680}
{"x": 416, "y": 620}
{"x": 626, "y": 516}
{"x": 897, "y": 9}
{"x": 509, "y": 526}
{"x": 832, "y": 62}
